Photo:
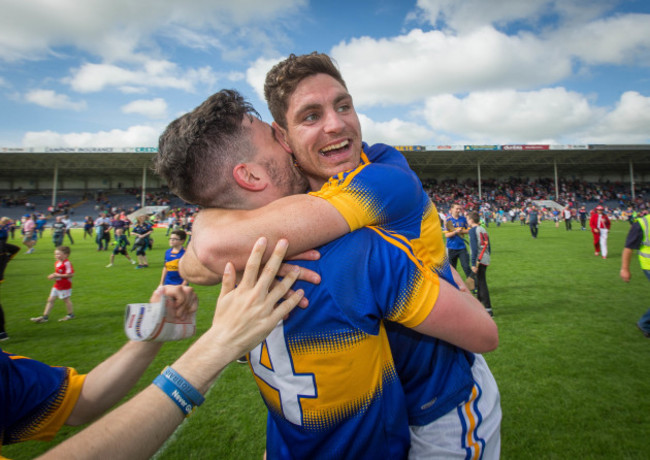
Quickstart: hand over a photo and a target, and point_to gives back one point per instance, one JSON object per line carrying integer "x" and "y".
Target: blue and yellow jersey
{"x": 172, "y": 260}
{"x": 457, "y": 241}
{"x": 326, "y": 373}
{"x": 35, "y": 399}
{"x": 384, "y": 191}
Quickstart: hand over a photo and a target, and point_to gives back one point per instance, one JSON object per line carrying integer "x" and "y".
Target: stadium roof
{"x": 441, "y": 162}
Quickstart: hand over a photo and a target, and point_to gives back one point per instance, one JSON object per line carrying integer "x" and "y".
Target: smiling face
{"x": 323, "y": 130}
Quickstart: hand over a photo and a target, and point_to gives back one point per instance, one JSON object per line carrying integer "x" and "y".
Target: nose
{"x": 333, "y": 121}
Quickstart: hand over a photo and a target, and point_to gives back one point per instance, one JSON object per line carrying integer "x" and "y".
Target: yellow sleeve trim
{"x": 335, "y": 192}
{"x": 54, "y": 423}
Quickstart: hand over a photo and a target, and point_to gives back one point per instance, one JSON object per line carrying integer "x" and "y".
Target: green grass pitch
{"x": 571, "y": 366}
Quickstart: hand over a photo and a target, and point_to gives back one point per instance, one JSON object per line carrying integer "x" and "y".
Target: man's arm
{"x": 460, "y": 319}
{"x": 243, "y": 318}
{"x": 112, "y": 379}
{"x": 625, "y": 264}
{"x": 224, "y": 235}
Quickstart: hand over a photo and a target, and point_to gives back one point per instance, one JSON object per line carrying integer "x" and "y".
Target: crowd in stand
{"x": 499, "y": 201}
{"x": 517, "y": 194}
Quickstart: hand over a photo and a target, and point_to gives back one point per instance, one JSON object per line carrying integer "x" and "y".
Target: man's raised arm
{"x": 221, "y": 235}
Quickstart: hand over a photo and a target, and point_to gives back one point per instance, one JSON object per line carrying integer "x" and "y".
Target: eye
{"x": 343, "y": 108}
{"x": 311, "y": 117}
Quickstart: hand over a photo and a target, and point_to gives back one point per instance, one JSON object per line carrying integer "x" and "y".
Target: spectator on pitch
{"x": 7, "y": 251}
{"x": 40, "y": 225}
{"x": 88, "y": 227}
{"x": 62, "y": 289}
{"x": 566, "y": 214}
{"x": 638, "y": 239}
{"x": 68, "y": 225}
{"x": 102, "y": 234}
{"x": 456, "y": 227}
{"x": 121, "y": 245}
{"x": 479, "y": 243}
{"x": 533, "y": 220}
{"x": 170, "y": 273}
{"x": 58, "y": 231}
{"x": 243, "y": 317}
{"x": 29, "y": 233}
{"x": 582, "y": 214}
{"x": 600, "y": 224}
{"x": 142, "y": 230}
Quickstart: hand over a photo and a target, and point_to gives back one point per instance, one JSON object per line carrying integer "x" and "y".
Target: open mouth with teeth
{"x": 334, "y": 148}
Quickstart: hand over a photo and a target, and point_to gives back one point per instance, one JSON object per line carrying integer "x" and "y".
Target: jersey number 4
{"x": 281, "y": 376}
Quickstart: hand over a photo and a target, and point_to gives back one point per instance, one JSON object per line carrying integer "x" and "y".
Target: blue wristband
{"x": 171, "y": 390}
{"x": 185, "y": 386}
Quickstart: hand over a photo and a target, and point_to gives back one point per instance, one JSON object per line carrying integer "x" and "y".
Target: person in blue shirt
{"x": 170, "y": 273}
{"x": 457, "y": 227}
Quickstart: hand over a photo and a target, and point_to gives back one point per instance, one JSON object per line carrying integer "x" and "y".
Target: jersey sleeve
{"x": 35, "y": 399}
{"x": 405, "y": 289}
{"x": 374, "y": 193}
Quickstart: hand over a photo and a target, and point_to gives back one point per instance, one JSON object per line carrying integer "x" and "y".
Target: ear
{"x": 281, "y": 136}
{"x": 248, "y": 178}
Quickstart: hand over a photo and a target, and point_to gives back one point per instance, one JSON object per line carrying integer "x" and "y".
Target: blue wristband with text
{"x": 195, "y": 396}
{"x": 176, "y": 395}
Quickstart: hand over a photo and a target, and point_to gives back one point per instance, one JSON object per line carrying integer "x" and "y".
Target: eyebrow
{"x": 313, "y": 106}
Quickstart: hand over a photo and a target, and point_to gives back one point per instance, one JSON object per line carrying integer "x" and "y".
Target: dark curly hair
{"x": 198, "y": 151}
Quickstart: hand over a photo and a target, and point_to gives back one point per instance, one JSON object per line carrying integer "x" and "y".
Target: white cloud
{"x": 466, "y": 15}
{"x": 115, "y": 29}
{"x": 617, "y": 40}
{"x": 256, "y": 73}
{"x": 627, "y": 123}
{"x": 133, "y": 136}
{"x": 393, "y": 132}
{"x": 153, "y": 108}
{"x": 502, "y": 117}
{"x": 410, "y": 67}
{"x": 52, "y": 100}
{"x": 153, "y": 74}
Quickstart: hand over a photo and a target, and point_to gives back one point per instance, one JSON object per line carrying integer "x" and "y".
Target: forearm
{"x": 138, "y": 428}
{"x": 111, "y": 380}
{"x": 460, "y": 319}
{"x": 192, "y": 270}
{"x": 625, "y": 259}
{"x": 306, "y": 221}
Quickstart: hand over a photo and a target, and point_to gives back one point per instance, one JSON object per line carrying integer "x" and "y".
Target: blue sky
{"x": 98, "y": 73}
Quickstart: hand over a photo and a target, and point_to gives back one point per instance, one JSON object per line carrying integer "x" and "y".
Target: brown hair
{"x": 283, "y": 79}
{"x": 64, "y": 249}
{"x": 198, "y": 151}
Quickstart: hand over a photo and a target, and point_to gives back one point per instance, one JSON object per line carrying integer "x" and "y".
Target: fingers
{"x": 282, "y": 287}
{"x": 310, "y": 254}
{"x": 273, "y": 265}
{"x": 253, "y": 264}
{"x": 283, "y": 309}
{"x": 228, "y": 280}
{"x": 179, "y": 300}
{"x": 305, "y": 274}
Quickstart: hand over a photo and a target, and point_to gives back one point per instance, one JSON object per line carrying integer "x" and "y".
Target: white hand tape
{"x": 153, "y": 322}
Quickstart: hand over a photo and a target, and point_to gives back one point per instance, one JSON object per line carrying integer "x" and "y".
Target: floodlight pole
{"x": 557, "y": 189}
{"x": 478, "y": 165}
{"x": 144, "y": 186}
{"x": 55, "y": 181}
{"x": 632, "y": 180}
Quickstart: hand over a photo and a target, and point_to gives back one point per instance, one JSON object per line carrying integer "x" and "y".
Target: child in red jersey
{"x": 62, "y": 288}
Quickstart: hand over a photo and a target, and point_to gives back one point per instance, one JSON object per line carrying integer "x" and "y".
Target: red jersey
{"x": 63, "y": 267}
